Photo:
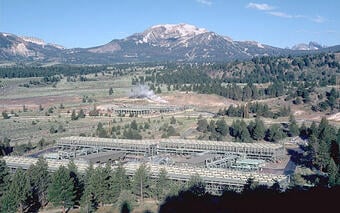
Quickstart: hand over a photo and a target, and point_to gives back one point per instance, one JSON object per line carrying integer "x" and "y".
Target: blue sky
{"x": 85, "y": 23}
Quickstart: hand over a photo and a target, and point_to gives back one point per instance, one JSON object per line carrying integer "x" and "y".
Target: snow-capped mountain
{"x": 167, "y": 42}
{"x": 164, "y": 35}
{"x": 182, "y": 42}
{"x": 310, "y": 46}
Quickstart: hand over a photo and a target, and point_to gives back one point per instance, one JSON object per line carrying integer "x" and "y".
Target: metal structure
{"x": 103, "y": 157}
{"x": 264, "y": 151}
{"x": 221, "y": 161}
{"x": 207, "y": 160}
{"x": 14, "y": 162}
{"x": 216, "y": 180}
{"x": 147, "y": 109}
{"x": 248, "y": 165}
{"x": 92, "y": 144}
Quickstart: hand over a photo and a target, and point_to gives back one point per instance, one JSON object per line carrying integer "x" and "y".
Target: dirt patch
{"x": 335, "y": 117}
{"x": 176, "y": 99}
{"x": 299, "y": 113}
{"x": 34, "y": 102}
{"x": 201, "y": 100}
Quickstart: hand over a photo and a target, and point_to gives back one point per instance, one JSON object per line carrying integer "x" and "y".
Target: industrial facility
{"x": 75, "y": 145}
{"x": 216, "y": 180}
{"x": 221, "y": 165}
{"x": 146, "y": 109}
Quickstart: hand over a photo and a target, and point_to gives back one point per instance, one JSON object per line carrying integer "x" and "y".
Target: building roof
{"x": 102, "y": 156}
{"x": 103, "y": 141}
{"x": 166, "y": 142}
{"x": 196, "y": 159}
{"x": 260, "y": 145}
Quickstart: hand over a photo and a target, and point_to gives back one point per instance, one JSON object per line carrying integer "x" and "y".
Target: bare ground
{"x": 34, "y": 102}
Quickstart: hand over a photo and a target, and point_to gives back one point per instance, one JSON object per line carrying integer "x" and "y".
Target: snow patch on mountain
{"x": 181, "y": 30}
{"x": 167, "y": 34}
{"x": 33, "y": 40}
{"x": 57, "y": 46}
{"x": 6, "y": 34}
{"x": 228, "y": 39}
{"x": 254, "y": 43}
{"x": 40, "y": 42}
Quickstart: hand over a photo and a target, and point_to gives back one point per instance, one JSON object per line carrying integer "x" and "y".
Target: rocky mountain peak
{"x": 180, "y": 30}
{"x": 163, "y": 35}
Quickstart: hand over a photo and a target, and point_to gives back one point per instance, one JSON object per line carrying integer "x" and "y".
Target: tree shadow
{"x": 261, "y": 199}
{"x": 125, "y": 208}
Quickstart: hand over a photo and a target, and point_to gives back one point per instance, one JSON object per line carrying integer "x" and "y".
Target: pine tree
{"x": 196, "y": 185}
{"x": 134, "y": 125}
{"x": 105, "y": 195}
{"x": 98, "y": 185}
{"x": 120, "y": 181}
{"x": 5, "y": 115}
{"x": 4, "y": 176}
{"x": 159, "y": 90}
{"x": 61, "y": 190}
{"x": 293, "y": 127}
{"x": 244, "y": 135}
{"x": 245, "y": 111}
{"x": 211, "y": 126}
{"x": 40, "y": 107}
{"x": 8, "y": 203}
{"x": 5, "y": 147}
{"x": 275, "y": 133}
{"x": 81, "y": 114}
{"x": 326, "y": 131}
{"x": 313, "y": 147}
{"x": 172, "y": 120}
{"x": 77, "y": 182}
{"x": 39, "y": 179}
{"x": 202, "y": 125}
{"x": 313, "y": 129}
{"x": 240, "y": 131}
{"x": 89, "y": 202}
{"x": 125, "y": 201}
{"x": 110, "y": 91}
{"x": 303, "y": 131}
{"x": 18, "y": 192}
{"x": 251, "y": 127}
{"x": 235, "y": 126}
{"x": 322, "y": 126}
{"x": 322, "y": 157}
{"x": 161, "y": 185}
{"x": 259, "y": 129}
{"x": 74, "y": 116}
{"x": 141, "y": 182}
{"x": 101, "y": 132}
{"x": 332, "y": 171}
{"x": 221, "y": 127}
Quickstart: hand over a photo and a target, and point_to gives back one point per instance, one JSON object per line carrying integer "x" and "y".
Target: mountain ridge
{"x": 165, "y": 42}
